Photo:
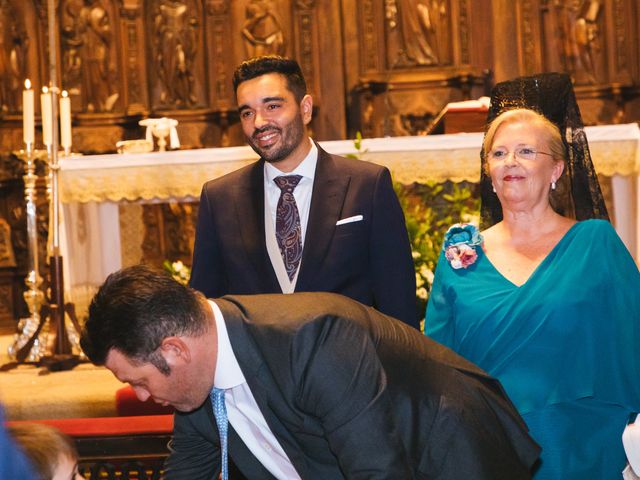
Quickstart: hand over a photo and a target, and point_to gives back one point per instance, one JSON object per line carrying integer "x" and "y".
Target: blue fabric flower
{"x": 460, "y": 244}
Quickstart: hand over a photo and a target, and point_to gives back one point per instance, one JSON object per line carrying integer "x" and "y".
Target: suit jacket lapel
{"x": 238, "y": 451}
{"x": 260, "y": 381}
{"x": 248, "y": 199}
{"x": 329, "y": 191}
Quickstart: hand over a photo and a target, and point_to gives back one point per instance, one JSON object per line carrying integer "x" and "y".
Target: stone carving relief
{"x": 621, "y": 36}
{"x": 416, "y": 123}
{"x": 169, "y": 232}
{"x": 305, "y": 19}
{"x": 175, "y": 36}
{"x": 7, "y": 257}
{"x": 422, "y": 28}
{"x": 219, "y": 33}
{"x": 14, "y": 43}
{"x": 578, "y": 36}
{"x": 369, "y": 35}
{"x": 88, "y": 54}
{"x": 217, "y": 7}
{"x": 262, "y": 31}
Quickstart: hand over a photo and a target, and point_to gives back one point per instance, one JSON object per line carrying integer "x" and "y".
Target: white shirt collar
{"x": 228, "y": 373}
{"x": 307, "y": 167}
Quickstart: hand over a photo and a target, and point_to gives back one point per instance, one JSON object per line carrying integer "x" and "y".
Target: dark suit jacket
{"x": 369, "y": 261}
{"x": 351, "y": 393}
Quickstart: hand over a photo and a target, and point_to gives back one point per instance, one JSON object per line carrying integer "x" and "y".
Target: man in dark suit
{"x": 308, "y": 386}
{"x": 300, "y": 219}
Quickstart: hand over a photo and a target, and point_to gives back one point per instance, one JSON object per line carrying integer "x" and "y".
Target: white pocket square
{"x": 355, "y": 218}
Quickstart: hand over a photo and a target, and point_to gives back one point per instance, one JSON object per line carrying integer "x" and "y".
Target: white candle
{"x": 45, "y": 103}
{"x": 65, "y": 121}
{"x": 28, "y": 116}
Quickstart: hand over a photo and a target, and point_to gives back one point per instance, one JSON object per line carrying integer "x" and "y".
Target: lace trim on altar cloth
{"x": 615, "y": 150}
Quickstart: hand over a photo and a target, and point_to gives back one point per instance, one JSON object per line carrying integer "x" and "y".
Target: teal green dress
{"x": 565, "y": 344}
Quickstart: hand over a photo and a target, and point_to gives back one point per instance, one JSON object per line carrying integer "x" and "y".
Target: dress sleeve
{"x": 622, "y": 264}
{"x": 620, "y": 334}
{"x": 439, "y": 321}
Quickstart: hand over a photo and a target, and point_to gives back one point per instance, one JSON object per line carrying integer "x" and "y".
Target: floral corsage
{"x": 460, "y": 244}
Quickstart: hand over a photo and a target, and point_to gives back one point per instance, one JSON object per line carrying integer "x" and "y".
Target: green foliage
{"x": 357, "y": 144}
{"x": 430, "y": 209}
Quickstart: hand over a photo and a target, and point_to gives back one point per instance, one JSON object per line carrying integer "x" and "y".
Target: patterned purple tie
{"x": 288, "y": 230}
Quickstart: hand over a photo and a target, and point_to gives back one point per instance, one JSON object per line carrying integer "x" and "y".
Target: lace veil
{"x": 578, "y": 193}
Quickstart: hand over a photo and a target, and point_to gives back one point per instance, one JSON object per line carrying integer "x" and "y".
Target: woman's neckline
{"x": 538, "y": 266}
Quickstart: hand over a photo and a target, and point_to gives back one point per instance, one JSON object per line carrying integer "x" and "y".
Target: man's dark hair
{"x": 256, "y": 67}
{"x": 135, "y": 309}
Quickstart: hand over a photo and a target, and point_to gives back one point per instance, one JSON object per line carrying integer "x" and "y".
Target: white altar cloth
{"x": 104, "y": 180}
{"x": 178, "y": 174}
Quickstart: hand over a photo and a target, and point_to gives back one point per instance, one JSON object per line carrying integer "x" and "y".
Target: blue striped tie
{"x": 220, "y": 412}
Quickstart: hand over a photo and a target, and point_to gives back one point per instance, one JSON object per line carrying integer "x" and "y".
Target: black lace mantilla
{"x": 578, "y": 193}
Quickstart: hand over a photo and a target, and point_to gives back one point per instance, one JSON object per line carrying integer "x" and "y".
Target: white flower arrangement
{"x": 180, "y": 272}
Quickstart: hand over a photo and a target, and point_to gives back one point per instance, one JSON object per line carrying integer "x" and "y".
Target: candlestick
{"x": 28, "y": 116}
{"x": 45, "y": 103}
{"x": 34, "y": 297}
{"x": 65, "y": 122}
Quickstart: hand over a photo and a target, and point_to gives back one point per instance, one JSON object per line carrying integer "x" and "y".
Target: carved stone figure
{"x": 578, "y": 36}
{"x": 13, "y": 50}
{"x": 87, "y": 51}
{"x": 7, "y": 257}
{"x": 97, "y": 40}
{"x": 71, "y": 39}
{"x": 262, "y": 32}
{"x": 422, "y": 25}
{"x": 175, "y": 40}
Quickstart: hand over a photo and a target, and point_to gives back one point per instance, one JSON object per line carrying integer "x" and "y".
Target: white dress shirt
{"x": 242, "y": 410}
{"x": 302, "y": 194}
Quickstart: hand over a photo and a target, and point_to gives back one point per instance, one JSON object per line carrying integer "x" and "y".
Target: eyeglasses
{"x": 523, "y": 153}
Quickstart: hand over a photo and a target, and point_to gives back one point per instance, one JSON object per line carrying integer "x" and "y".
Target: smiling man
{"x": 300, "y": 219}
{"x": 309, "y": 386}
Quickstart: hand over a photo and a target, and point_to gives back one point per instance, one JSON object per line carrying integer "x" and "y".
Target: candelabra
{"x": 44, "y": 336}
{"x": 61, "y": 355}
{"x": 31, "y": 339}
{"x": 46, "y": 315}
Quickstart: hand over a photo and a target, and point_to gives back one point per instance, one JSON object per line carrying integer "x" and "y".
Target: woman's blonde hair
{"x": 525, "y": 115}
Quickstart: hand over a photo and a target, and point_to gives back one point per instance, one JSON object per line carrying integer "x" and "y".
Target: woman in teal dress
{"x": 548, "y": 305}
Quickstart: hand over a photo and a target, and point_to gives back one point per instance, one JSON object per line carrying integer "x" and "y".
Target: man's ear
{"x": 175, "y": 351}
{"x": 306, "y": 108}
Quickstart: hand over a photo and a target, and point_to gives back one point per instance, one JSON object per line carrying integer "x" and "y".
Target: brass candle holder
{"x": 30, "y": 342}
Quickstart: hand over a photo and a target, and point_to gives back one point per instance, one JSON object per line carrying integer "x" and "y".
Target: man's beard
{"x": 290, "y": 137}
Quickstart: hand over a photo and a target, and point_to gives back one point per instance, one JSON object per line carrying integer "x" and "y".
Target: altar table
{"x": 180, "y": 174}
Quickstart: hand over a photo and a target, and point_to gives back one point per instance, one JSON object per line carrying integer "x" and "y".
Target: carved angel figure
{"x": 97, "y": 40}
{"x": 13, "y": 50}
{"x": 175, "y": 40}
{"x": 578, "y": 35}
{"x": 261, "y": 30}
{"x": 422, "y": 24}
